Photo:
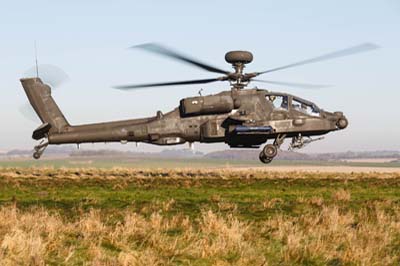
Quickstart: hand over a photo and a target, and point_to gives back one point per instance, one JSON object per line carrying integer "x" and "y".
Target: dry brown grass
{"x": 341, "y": 195}
{"x": 37, "y": 236}
{"x": 189, "y": 175}
{"x": 284, "y": 219}
{"x": 367, "y": 237}
{"x": 339, "y": 236}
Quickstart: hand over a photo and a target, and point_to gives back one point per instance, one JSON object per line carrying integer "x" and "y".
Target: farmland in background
{"x": 171, "y": 163}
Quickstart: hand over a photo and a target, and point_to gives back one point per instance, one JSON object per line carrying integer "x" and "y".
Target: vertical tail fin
{"x": 39, "y": 95}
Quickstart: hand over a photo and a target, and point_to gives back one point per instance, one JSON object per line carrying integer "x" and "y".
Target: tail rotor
{"x": 51, "y": 75}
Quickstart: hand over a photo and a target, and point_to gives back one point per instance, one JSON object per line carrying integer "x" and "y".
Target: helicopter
{"x": 241, "y": 117}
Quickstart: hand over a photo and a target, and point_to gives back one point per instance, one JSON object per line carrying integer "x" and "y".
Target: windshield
{"x": 305, "y": 107}
{"x": 282, "y": 101}
{"x": 279, "y": 101}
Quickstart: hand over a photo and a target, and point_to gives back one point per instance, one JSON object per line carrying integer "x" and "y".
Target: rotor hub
{"x": 238, "y": 57}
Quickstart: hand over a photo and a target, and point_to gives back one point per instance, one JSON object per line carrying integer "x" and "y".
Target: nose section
{"x": 341, "y": 121}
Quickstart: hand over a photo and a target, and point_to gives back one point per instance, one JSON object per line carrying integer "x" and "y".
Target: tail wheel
{"x": 270, "y": 151}
{"x": 39, "y": 149}
{"x": 36, "y": 155}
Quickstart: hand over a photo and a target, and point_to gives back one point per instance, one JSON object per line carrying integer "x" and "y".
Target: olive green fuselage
{"x": 208, "y": 119}
{"x": 239, "y": 117}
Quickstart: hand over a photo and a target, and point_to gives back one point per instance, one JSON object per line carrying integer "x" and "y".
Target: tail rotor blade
{"x": 49, "y": 74}
{"x": 27, "y": 111}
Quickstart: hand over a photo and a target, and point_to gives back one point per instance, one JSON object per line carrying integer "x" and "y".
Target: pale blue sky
{"x": 88, "y": 39}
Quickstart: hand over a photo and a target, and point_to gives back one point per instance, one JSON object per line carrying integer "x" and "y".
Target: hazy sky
{"x": 88, "y": 39}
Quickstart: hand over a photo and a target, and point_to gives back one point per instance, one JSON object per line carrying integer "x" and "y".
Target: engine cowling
{"x": 206, "y": 105}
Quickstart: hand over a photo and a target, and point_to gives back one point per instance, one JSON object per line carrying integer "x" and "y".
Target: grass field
{"x": 119, "y": 216}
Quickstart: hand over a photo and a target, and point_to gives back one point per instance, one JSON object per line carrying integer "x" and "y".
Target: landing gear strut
{"x": 299, "y": 142}
{"x": 39, "y": 149}
{"x": 271, "y": 150}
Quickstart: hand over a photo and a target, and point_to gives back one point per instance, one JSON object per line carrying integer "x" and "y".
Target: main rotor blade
{"x": 186, "y": 82}
{"x": 292, "y": 84}
{"x": 341, "y": 53}
{"x": 159, "y": 49}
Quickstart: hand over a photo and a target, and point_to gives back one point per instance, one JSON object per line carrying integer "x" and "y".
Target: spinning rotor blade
{"x": 291, "y": 84}
{"x": 186, "y": 82}
{"x": 27, "y": 111}
{"x": 159, "y": 49}
{"x": 49, "y": 74}
{"x": 341, "y": 53}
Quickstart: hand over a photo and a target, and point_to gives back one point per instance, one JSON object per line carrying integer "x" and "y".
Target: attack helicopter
{"x": 241, "y": 117}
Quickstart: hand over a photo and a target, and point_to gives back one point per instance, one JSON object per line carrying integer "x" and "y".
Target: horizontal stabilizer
{"x": 41, "y": 131}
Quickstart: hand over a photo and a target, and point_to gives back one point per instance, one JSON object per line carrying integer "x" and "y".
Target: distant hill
{"x": 169, "y": 153}
{"x": 51, "y": 150}
{"x": 231, "y": 154}
{"x": 184, "y": 153}
{"x": 243, "y": 155}
{"x": 360, "y": 154}
{"x": 238, "y": 154}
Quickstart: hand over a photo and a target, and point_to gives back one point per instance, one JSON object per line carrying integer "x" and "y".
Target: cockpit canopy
{"x": 286, "y": 102}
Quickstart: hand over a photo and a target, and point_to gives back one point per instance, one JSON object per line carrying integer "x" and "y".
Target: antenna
{"x": 36, "y": 61}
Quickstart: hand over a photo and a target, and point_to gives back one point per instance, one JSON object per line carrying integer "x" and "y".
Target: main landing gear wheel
{"x": 268, "y": 153}
{"x": 264, "y": 159}
{"x": 270, "y": 150}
